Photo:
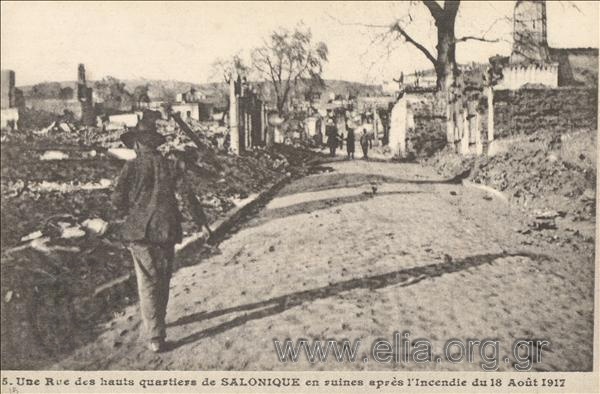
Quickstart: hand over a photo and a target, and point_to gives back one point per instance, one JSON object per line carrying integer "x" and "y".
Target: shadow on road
{"x": 335, "y": 180}
{"x": 315, "y": 205}
{"x": 401, "y": 278}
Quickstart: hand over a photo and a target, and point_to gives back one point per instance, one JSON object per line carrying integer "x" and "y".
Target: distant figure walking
{"x": 350, "y": 143}
{"x": 332, "y": 137}
{"x": 364, "y": 144}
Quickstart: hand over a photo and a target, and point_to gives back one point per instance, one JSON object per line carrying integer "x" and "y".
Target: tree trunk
{"x": 280, "y": 107}
{"x": 446, "y": 72}
{"x": 445, "y": 66}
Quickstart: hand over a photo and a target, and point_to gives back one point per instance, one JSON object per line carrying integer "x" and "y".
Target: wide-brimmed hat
{"x": 145, "y": 133}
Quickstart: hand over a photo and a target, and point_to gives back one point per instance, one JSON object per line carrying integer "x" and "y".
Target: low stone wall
{"x": 516, "y": 113}
{"x": 559, "y": 110}
{"x": 55, "y": 106}
{"x": 516, "y": 76}
{"x": 428, "y": 134}
{"x": 9, "y": 117}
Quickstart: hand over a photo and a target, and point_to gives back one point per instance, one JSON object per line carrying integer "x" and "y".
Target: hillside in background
{"x": 167, "y": 90}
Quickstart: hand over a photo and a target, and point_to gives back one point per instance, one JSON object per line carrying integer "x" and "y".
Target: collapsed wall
{"x": 55, "y": 106}
{"x": 559, "y": 110}
{"x": 428, "y": 134}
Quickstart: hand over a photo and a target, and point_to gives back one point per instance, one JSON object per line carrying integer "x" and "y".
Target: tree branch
{"x": 466, "y": 38}
{"x": 434, "y": 8}
{"x": 409, "y": 39}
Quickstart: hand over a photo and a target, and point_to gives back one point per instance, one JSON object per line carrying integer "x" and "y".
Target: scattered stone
{"x": 54, "y": 155}
{"x": 8, "y": 296}
{"x": 122, "y": 153}
{"x": 65, "y": 127}
{"x": 548, "y": 214}
{"x": 32, "y": 236}
{"x": 589, "y": 194}
{"x": 552, "y": 158}
{"x": 72, "y": 232}
{"x": 96, "y": 226}
{"x": 543, "y": 225}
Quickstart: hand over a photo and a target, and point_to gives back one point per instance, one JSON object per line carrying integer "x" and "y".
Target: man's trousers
{"x": 153, "y": 268}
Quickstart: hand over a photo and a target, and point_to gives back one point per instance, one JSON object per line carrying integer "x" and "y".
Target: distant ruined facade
{"x": 530, "y": 61}
{"x": 10, "y": 100}
{"x": 8, "y": 89}
{"x": 85, "y": 97}
{"x": 247, "y": 117}
{"x": 79, "y": 101}
{"x": 530, "y": 36}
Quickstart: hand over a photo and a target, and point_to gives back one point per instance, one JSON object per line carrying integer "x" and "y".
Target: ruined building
{"x": 247, "y": 117}
{"x": 8, "y": 89}
{"x": 73, "y": 98}
{"x": 11, "y": 99}
{"x": 530, "y": 61}
{"x": 533, "y": 62}
{"x": 530, "y": 36}
{"x": 85, "y": 97}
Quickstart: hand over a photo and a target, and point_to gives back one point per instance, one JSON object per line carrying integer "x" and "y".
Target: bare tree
{"x": 444, "y": 60}
{"x": 228, "y": 67}
{"x": 287, "y": 58}
{"x": 444, "y": 15}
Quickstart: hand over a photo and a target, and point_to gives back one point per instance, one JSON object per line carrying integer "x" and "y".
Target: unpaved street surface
{"x": 361, "y": 252}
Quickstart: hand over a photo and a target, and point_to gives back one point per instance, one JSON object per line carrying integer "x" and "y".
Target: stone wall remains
{"x": 559, "y": 110}
{"x": 55, "y": 106}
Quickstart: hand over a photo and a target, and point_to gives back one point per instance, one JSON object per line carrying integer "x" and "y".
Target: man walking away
{"x": 332, "y": 137}
{"x": 145, "y": 192}
{"x": 364, "y": 144}
{"x": 350, "y": 143}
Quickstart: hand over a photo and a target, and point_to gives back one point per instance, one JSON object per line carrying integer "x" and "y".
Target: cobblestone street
{"x": 360, "y": 252}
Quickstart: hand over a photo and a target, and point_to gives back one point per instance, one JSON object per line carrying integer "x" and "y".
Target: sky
{"x": 45, "y": 41}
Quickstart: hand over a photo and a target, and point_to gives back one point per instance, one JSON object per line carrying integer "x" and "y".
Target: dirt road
{"x": 359, "y": 253}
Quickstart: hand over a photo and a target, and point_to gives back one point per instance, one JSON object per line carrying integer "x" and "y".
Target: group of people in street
{"x": 336, "y": 140}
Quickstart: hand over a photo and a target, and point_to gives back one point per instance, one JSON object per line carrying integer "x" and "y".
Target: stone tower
{"x": 8, "y": 89}
{"x": 82, "y": 89}
{"x": 84, "y": 95}
{"x": 530, "y": 42}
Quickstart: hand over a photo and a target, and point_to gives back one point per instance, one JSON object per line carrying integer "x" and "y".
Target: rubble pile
{"x": 59, "y": 231}
{"x": 427, "y": 137}
{"x": 527, "y": 111}
{"x": 543, "y": 176}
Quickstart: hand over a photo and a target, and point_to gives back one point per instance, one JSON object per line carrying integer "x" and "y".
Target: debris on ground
{"x": 59, "y": 234}
{"x": 551, "y": 177}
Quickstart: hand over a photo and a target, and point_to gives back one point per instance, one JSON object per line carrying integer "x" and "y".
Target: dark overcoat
{"x": 350, "y": 141}
{"x": 332, "y": 137}
{"x": 145, "y": 190}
